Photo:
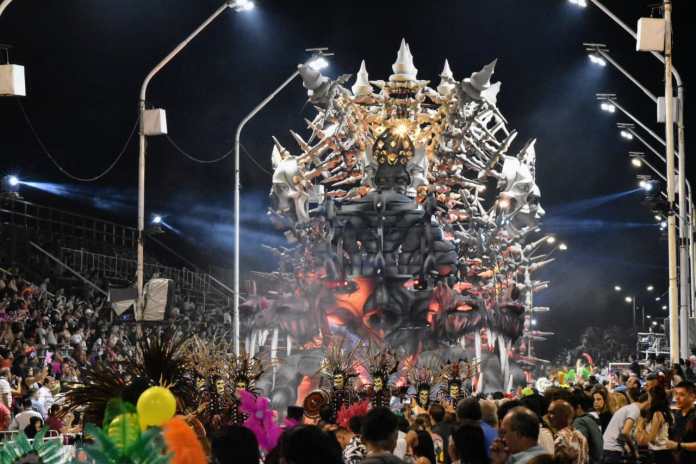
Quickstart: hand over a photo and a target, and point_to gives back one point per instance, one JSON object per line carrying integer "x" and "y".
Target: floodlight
{"x": 318, "y": 63}
{"x": 658, "y": 217}
{"x": 657, "y": 298}
{"x": 654, "y": 322}
{"x": 551, "y": 240}
{"x": 645, "y": 185}
{"x": 650, "y": 288}
{"x": 664, "y": 307}
{"x": 242, "y": 5}
{"x": 626, "y": 134}
{"x": 636, "y": 162}
{"x": 608, "y": 107}
{"x": 157, "y": 219}
{"x": 596, "y": 59}
{"x": 563, "y": 247}
{"x": 10, "y": 186}
{"x": 663, "y": 225}
{"x": 580, "y": 3}
{"x": 617, "y": 288}
{"x": 628, "y": 299}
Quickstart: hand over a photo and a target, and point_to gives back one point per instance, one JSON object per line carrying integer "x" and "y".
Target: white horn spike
{"x": 362, "y": 87}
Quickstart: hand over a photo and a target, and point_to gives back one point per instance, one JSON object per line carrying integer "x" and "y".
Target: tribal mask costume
{"x": 381, "y": 366}
{"x": 338, "y": 369}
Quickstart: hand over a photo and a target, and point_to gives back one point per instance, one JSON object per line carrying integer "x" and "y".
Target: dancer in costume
{"x": 457, "y": 376}
{"x": 245, "y": 371}
{"x": 422, "y": 378}
{"x": 339, "y": 368}
{"x": 381, "y": 366}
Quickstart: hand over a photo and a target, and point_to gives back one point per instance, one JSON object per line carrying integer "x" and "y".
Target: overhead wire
{"x": 41, "y": 144}
{"x": 196, "y": 159}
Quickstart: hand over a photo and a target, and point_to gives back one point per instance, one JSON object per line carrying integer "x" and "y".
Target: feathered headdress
{"x": 459, "y": 371}
{"x": 340, "y": 361}
{"x": 158, "y": 360}
{"x": 383, "y": 363}
{"x": 421, "y": 377}
{"x": 245, "y": 368}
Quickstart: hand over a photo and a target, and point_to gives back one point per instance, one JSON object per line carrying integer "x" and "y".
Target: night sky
{"x": 85, "y": 61}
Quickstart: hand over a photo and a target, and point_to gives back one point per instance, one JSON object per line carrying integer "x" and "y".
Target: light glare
{"x": 650, "y": 288}
{"x": 157, "y": 219}
{"x": 617, "y": 288}
{"x": 563, "y": 247}
{"x": 597, "y": 60}
{"x": 551, "y": 240}
{"x": 626, "y": 135}
{"x": 14, "y": 181}
{"x": 318, "y": 63}
{"x": 636, "y": 162}
{"x": 628, "y": 299}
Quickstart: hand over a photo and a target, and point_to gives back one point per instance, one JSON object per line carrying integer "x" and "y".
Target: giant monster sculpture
{"x": 407, "y": 219}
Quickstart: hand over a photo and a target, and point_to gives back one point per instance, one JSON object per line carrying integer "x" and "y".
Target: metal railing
{"x": 22, "y": 213}
{"x": 117, "y": 267}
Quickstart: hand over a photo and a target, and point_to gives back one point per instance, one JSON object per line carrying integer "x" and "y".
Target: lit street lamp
{"x": 678, "y": 302}
{"x": 316, "y": 62}
{"x": 154, "y": 123}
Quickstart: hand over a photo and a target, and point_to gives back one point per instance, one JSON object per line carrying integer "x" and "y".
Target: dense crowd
{"x": 639, "y": 414}
{"x": 625, "y": 418}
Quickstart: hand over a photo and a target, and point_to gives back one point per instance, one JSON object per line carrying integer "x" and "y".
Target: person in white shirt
{"x": 23, "y": 419}
{"x": 5, "y": 388}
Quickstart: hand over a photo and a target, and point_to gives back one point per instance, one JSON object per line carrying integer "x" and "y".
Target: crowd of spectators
{"x": 626, "y": 418}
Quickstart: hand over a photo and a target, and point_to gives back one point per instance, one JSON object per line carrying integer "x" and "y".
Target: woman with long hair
{"x": 652, "y": 429}
{"x": 423, "y": 448}
{"x": 600, "y": 403}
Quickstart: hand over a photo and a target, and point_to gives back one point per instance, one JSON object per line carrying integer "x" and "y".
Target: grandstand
{"x": 75, "y": 250}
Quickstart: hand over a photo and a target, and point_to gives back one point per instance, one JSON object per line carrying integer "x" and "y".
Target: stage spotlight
{"x": 636, "y": 162}
{"x": 563, "y": 247}
{"x": 658, "y": 218}
{"x": 551, "y": 240}
{"x": 617, "y": 288}
{"x": 318, "y": 63}
{"x": 626, "y": 135}
{"x": 646, "y": 185}
{"x": 628, "y": 299}
{"x": 580, "y": 3}
{"x": 650, "y": 288}
{"x": 607, "y": 107}
{"x": 663, "y": 225}
{"x": 156, "y": 219}
{"x": 654, "y": 322}
{"x": 664, "y": 307}
{"x": 657, "y": 298}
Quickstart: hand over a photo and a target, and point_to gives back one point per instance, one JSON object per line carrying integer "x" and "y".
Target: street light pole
{"x": 4, "y": 5}
{"x": 316, "y": 62}
{"x": 670, "y": 72}
{"x": 237, "y": 188}
{"x": 671, "y": 223}
{"x": 237, "y": 5}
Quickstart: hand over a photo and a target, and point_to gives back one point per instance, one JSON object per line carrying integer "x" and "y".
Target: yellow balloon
{"x": 156, "y": 406}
